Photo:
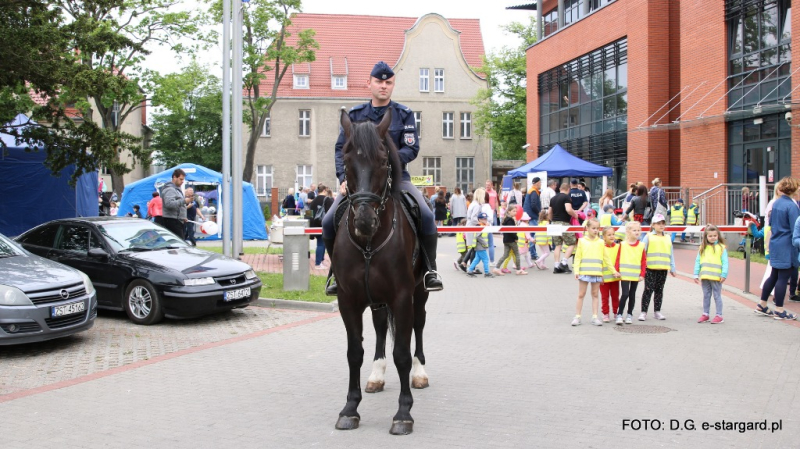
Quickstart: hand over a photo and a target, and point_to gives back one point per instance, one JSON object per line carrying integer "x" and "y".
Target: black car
{"x": 142, "y": 268}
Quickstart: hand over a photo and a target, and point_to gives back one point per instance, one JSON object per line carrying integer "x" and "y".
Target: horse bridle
{"x": 359, "y": 198}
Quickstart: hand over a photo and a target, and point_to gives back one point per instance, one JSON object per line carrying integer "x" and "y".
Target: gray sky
{"x": 491, "y": 15}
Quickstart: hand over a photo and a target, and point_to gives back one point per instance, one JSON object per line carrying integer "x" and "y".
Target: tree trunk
{"x": 250, "y": 155}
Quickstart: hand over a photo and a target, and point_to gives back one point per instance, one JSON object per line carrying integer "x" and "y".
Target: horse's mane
{"x": 365, "y": 136}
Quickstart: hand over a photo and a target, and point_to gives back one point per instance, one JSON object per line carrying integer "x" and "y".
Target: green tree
{"x": 189, "y": 127}
{"x": 501, "y": 113}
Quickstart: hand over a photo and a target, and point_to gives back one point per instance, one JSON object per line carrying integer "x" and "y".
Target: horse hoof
{"x": 419, "y": 383}
{"x": 347, "y": 423}
{"x": 374, "y": 387}
{"x": 402, "y": 427}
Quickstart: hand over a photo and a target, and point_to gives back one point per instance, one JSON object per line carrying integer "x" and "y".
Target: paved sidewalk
{"x": 506, "y": 370}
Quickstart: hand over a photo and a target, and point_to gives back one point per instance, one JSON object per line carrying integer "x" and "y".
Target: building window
{"x": 339, "y": 82}
{"x": 447, "y": 125}
{"x": 432, "y": 166}
{"x": 301, "y": 82}
{"x": 759, "y": 52}
{"x": 263, "y": 180}
{"x": 466, "y": 125}
{"x": 304, "y": 176}
{"x": 267, "y": 124}
{"x": 465, "y": 173}
{"x": 438, "y": 80}
{"x": 424, "y": 78}
{"x": 418, "y": 123}
{"x": 550, "y": 22}
{"x": 305, "y": 122}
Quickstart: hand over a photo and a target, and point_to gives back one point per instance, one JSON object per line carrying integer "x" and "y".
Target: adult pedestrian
{"x": 192, "y": 212}
{"x": 606, "y": 200}
{"x": 533, "y": 206}
{"x": 638, "y": 205}
{"x": 749, "y": 200}
{"x": 440, "y": 209}
{"x": 782, "y": 251}
{"x": 577, "y": 198}
{"x": 458, "y": 206}
{"x": 289, "y": 204}
{"x": 155, "y": 209}
{"x": 658, "y": 199}
{"x": 403, "y": 132}
{"x": 561, "y": 213}
{"x": 319, "y": 206}
{"x": 174, "y": 204}
{"x": 486, "y": 208}
{"x": 493, "y": 203}
{"x": 312, "y": 193}
{"x": 548, "y": 193}
{"x": 514, "y": 196}
{"x": 474, "y": 209}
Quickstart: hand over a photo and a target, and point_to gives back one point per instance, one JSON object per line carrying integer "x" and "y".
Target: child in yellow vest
{"x": 711, "y": 270}
{"x": 660, "y": 260}
{"x": 462, "y": 246}
{"x": 524, "y": 239}
{"x": 631, "y": 264}
{"x": 543, "y": 242}
{"x": 590, "y": 262}
{"x": 610, "y": 287}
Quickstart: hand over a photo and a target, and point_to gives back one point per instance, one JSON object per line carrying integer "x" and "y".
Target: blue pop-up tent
{"x": 140, "y": 192}
{"x": 31, "y": 194}
{"x": 559, "y": 163}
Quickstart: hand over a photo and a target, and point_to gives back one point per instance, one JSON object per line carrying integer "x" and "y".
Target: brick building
{"x": 694, "y": 92}
{"x": 434, "y": 60}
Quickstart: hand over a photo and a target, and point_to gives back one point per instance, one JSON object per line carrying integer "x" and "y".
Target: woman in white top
{"x": 487, "y": 209}
{"x": 458, "y": 207}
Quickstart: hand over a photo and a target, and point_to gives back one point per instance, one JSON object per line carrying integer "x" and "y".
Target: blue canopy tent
{"x": 558, "y": 163}
{"x": 31, "y": 194}
{"x": 140, "y": 192}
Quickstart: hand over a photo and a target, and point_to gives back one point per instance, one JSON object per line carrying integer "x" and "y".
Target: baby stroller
{"x": 754, "y": 230}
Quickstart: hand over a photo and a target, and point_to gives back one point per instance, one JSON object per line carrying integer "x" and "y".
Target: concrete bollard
{"x": 295, "y": 255}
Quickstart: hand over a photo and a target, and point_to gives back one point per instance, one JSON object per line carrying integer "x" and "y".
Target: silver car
{"x": 41, "y": 299}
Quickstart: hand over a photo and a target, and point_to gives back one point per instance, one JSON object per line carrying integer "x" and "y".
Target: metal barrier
{"x": 718, "y": 204}
{"x": 295, "y": 255}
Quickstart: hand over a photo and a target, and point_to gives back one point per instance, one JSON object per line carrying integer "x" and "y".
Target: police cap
{"x": 382, "y": 71}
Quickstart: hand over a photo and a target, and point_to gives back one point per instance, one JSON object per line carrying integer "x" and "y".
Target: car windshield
{"x": 8, "y": 248}
{"x": 139, "y": 235}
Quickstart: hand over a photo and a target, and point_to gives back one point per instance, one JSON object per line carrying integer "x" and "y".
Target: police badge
{"x": 409, "y": 138}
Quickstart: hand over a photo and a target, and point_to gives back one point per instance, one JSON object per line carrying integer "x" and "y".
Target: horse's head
{"x": 367, "y": 170}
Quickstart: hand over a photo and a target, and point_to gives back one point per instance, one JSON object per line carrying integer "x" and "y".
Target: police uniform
{"x": 403, "y": 132}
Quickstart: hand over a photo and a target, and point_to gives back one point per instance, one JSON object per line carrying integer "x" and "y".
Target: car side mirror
{"x": 97, "y": 253}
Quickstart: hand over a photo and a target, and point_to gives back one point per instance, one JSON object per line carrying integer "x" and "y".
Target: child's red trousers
{"x": 609, "y": 289}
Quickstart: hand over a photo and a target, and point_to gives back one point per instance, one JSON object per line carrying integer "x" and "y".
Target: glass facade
{"x": 584, "y": 108}
{"x": 573, "y": 12}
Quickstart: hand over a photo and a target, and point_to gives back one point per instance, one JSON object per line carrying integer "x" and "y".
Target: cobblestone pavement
{"x": 506, "y": 370}
{"x": 115, "y": 341}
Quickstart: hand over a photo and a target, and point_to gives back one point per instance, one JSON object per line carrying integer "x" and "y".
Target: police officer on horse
{"x": 403, "y": 132}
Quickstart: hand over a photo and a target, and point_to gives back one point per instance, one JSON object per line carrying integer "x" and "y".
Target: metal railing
{"x": 718, "y": 204}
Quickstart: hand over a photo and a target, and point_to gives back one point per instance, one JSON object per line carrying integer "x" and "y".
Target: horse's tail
{"x": 390, "y": 319}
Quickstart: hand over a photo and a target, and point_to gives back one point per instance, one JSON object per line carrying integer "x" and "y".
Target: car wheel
{"x": 142, "y": 303}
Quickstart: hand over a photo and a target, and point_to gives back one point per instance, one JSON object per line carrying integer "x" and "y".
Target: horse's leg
{"x": 380, "y": 319}
{"x": 353, "y": 322}
{"x": 419, "y": 378}
{"x": 402, "y": 423}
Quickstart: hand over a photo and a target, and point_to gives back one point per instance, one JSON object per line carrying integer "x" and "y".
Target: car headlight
{"x": 87, "y": 283}
{"x": 12, "y": 296}
{"x": 198, "y": 281}
{"x": 250, "y": 274}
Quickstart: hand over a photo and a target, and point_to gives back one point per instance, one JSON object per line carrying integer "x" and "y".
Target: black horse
{"x": 377, "y": 263}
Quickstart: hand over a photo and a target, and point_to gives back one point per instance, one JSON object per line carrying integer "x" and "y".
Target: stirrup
{"x": 432, "y": 288}
{"x": 331, "y": 289}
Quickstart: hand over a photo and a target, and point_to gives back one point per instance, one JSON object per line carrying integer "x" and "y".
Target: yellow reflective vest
{"x": 610, "y": 253}
{"x": 711, "y": 263}
{"x": 461, "y": 242}
{"x": 676, "y": 216}
{"x": 605, "y": 220}
{"x": 521, "y": 243}
{"x": 659, "y": 249}
{"x": 542, "y": 238}
{"x": 630, "y": 261}
{"x": 589, "y": 257}
{"x": 691, "y": 214}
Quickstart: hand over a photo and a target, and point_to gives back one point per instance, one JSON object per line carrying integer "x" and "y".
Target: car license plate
{"x": 67, "y": 309}
{"x": 233, "y": 295}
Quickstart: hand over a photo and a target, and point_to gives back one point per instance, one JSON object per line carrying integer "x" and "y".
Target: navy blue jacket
{"x": 403, "y": 131}
{"x": 532, "y": 205}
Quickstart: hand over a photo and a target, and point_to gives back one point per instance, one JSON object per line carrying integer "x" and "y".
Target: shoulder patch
{"x": 358, "y": 106}
{"x": 409, "y": 139}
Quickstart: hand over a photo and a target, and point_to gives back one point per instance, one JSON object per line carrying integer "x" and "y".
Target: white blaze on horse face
{"x": 378, "y": 371}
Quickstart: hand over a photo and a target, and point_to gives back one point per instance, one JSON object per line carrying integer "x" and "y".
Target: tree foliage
{"x": 189, "y": 127}
{"x": 501, "y": 113}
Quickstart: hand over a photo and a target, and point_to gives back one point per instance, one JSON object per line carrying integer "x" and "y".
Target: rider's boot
{"x": 331, "y": 289}
{"x": 432, "y": 281}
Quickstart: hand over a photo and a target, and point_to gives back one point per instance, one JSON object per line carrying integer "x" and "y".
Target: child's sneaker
{"x": 596, "y": 322}
{"x": 576, "y": 321}
{"x": 497, "y": 272}
{"x": 642, "y": 316}
{"x": 488, "y": 275}
{"x": 785, "y": 315}
{"x": 629, "y": 319}
{"x": 717, "y": 320}
{"x": 455, "y": 264}
{"x": 522, "y": 272}
{"x": 541, "y": 265}
{"x": 506, "y": 271}
{"x": 703, "y": 318}
{"x": 763, "y": 310}
{"x": 619, "y": 320}
{"x": 471, "y": 274}
{"x": 659, "y": 316}
{"x": 605, "y": 318}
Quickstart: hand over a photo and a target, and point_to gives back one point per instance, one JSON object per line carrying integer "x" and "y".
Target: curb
{"x": 271, "y": 303}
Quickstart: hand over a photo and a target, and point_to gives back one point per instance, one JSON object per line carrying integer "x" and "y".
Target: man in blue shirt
{"x": 403, "y": 131}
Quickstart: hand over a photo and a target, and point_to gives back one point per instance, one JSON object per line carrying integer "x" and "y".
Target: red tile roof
{"x": 352, "y": 44}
